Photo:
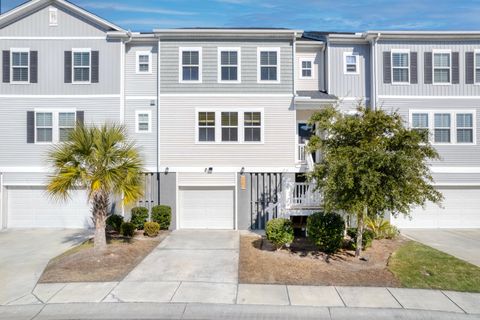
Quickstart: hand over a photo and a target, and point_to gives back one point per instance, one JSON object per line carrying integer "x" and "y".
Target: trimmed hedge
{"x": 114, "y": 221}
{"x": 127, "y": 229}
{"x": 162, "y": 215}
{"x": 151, "y": 229}
{"x": 279, "y": 232}
{"x": 326, "y": 231}
{"x": 139, "y": 217}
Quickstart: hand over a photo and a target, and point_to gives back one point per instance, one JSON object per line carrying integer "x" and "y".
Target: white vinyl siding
{"x": 190, "y": 65}
{"x": 229, "y": 65}
{"x": 143, "y": 62}
{"x": 81, "y": 65}
{"x": 229, "y": 126}
{"x": 306, "y": 69}
{"x": 400, "y": 67}
{"x": 442, "y": 67}
{"x": 268, "y": 65}
{"x": 143, "y": 120}
{"x": 20, "y": 65}
{"x": 350, "y": 61}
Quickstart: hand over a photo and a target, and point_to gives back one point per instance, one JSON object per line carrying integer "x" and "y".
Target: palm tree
{"x": 101, "y": 160}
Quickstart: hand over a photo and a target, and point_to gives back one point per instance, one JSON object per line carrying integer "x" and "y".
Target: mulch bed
{"x": 80, "y": 264}
{"x": 304, "y": 265}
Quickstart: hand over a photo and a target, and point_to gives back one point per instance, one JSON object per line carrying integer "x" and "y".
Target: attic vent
{"x": 53, "y": 16}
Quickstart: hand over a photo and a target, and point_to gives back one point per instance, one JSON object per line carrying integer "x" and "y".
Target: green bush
{"x": 162, "y": 215}
{"x": 326, "y": 231}
{"x": 381, "y": 228}
{"x": 391, "y": 232}
{"x": 127, "y": 229}
{"x": 367, "y": 239}
{"x": 279, "y": 232}
{"x": 139, "y": 217}
{"x": 151, "y": 229}
{"x": 114, "y": 221}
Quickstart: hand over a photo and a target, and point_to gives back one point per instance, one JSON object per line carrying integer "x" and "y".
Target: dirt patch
{"x": 80, "y": 264}
{"x": 303, "y": 265}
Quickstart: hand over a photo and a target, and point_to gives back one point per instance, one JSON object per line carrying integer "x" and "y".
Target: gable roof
{"x": 34, "y": 5}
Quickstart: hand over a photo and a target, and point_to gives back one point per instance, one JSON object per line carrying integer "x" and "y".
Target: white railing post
{"x": 305, "y": 196}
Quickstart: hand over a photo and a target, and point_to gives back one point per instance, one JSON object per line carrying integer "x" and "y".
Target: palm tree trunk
{"x": 360, "y": 226}
{"x": 100, "y": 212}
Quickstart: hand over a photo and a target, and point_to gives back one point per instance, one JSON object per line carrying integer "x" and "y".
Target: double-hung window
{"x": 350, "y": 63}
{"x": 144, "y": 62}
{"x": 464, "y": 124}
{"x": 252, "y": 126}
{"x": 44, "y": 127}
{"x": 190, "y": 65}
{"x": 66, "y": 124}
{"x": 20, "y": 65}
{"x": 442, "y": 128}
{"x": 143, "y": 120}
{"x": 306, "y": 69}
{"x": 229, "y": 126}
{"x": 442, "y": 67}
{"x": 420, "y": 124}
{"x": 206, "y": 126}
{"x": 54, "y": 126}
{"x": 268, "y": 64}
{"x": 400, "y": 66}
{"x": 81, "y": 65}
{"x": 229, "y": 65}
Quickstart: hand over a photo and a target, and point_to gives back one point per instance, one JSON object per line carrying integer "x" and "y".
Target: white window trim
{"x": 453, "y": 125}
{"x": 218, "y": 125}
{"x": 137, "y": 124}
{"x": 407, "y": 67}
{"x": 435, "y": 51}
{"x": 300, "y": 68}
{"x": 55, "y": 125}
{"x": 50, "y": 11}
{"x": 259, "y": 66}
{"x": 239, "y": 64}
{"x": 19, "y": 50}
{"x": 137, "y": 62}
{"x": 81, "y": 50}
{"x": 180, "y": 64}
{"x": 475, "y": 80}
{"x": 357, "y": 63}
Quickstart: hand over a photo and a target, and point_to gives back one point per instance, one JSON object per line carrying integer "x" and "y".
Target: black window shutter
{"x": 413, "y": 68}
{"x": 33, "y": 66}
{"x": 455, "y": 68}
{"x": 387, "y": 67}
{"x": 469, "y": 69}
{"x": 6, "y": 65}
{"x": 80, "y": 117}
{"x": 428, "y": 67}
{"x": 95, "y": 61}
{"x": 30, "y": 127}
{"x": 68, "y": 67}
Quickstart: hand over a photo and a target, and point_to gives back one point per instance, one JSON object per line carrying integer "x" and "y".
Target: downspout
{"x": 374, "y": 76}
{"x": 327, "y": 68}
{"x": 158, "y": 120}
{"x": 294, "y": 57}
{"x": 1, "y": 201}
{"x": 324, "y": 73}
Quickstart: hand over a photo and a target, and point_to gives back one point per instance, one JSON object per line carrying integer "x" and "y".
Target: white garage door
{"x": 206, "y": 208}
{"x": 31, "y": 207}
{"x": 461, "y": 209}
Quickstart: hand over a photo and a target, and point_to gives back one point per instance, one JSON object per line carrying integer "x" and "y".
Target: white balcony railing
{"x": 304, "y": 196}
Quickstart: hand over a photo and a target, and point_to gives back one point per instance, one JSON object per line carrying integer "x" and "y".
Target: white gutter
{"x": 1, "y": 201}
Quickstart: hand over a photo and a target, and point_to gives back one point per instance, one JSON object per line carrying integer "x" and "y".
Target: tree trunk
{"x": 360, "y": 222}
{"x": 100, "y": 211}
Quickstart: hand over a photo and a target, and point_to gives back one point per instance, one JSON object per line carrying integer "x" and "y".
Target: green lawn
{"x": 420, "y": 266}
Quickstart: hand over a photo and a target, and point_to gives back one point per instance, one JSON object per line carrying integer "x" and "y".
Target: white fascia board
{"x": 436, "y": 169}
{"x": 217, "y": 169}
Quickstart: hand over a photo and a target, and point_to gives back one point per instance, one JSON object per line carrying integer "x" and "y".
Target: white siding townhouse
{"x": 220, "y": 115}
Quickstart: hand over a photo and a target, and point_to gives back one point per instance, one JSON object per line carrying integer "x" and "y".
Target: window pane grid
{"x": 44, "y": 126}
{"x": 252, "y": 126}
{"x": 268, "y": 65}
{"x": 143, "y": 63}
{"x": 190, "y": 65}
{"x": 20, "y": 65}
{"x": 229, "y": 65}
{"x": 229, "y": 122}
{"x": 306, "y": 69}
{"x": 441, "y": 67}
{"x": 442, "y": 128}
{"x": 81, "y": 66}
{"x": 464, "y": 127}
{"x": 143, "y": 122}
{"x": 400, "y": 67}
{"x": 206, "y": 126}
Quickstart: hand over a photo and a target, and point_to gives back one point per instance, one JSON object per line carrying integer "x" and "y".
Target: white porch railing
{"x": 304, "y": 196}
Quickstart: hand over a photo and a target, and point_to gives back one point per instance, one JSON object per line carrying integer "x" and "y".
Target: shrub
{"x": 151, "y": 229}
{"x": 326, "y": 231}
{"x": 381, "y": 228}
{"x": 367, "y": 238}
{"x": 279, "y": 232}
{"x": 139, "y": 217}
{"x": 391, "y": 232}
{"x": 127, "y": 229}
{"x": 114, "y": 221}
{"x": 162, "y": 215}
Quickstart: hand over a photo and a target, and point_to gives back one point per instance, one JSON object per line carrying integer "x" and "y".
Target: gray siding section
{"x": 37, "y": 25}
{"x": 51, "y": 67}
{"x": 169, "y": 68}
{"x": 451, "y": 155}
{"x": 142, "y": 84}
{"x": 14, "y": 149}
{"x": 422, "y": 89}
{"x": 243, "y": 204}
{"x": 25, "y": 178}
{"x": 349, "y": 85}
{"x": 168, "y": 194}
{"x": 146, "y": 142}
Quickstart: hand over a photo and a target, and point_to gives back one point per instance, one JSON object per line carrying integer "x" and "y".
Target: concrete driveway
{"x": 25, "y": 253}
{"x": 461, "y": 243}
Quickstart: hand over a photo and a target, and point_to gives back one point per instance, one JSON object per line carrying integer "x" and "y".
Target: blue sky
{"x": 325, "y": 15}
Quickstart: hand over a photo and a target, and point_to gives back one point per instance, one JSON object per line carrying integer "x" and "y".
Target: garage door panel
{"x": 31, "y": 207}
{"x": 206, "y": 208}
{"x": 460, "y": 209}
